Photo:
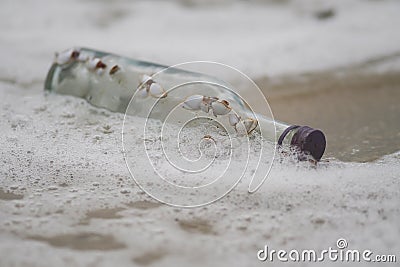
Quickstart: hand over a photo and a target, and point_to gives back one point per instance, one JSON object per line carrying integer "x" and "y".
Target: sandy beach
{"x": 67, "y": 197}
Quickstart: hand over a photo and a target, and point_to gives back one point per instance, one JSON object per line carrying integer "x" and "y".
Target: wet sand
{"x": 71, "y": 200}
{"x": 358, "y": 110}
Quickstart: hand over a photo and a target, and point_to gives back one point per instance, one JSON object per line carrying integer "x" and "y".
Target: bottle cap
{"x": 308, "y": 140}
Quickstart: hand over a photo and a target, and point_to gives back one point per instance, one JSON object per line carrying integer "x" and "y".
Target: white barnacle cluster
{"x": 93, "y": 64}
{"x": 218, "y": 108}
{"x": 96, "y": 65}
{"x": 69, "y": 56}
{"x": 149, "y": 87}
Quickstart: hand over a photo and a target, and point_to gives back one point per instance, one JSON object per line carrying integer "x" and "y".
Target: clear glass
{"x": 114, "y": 92}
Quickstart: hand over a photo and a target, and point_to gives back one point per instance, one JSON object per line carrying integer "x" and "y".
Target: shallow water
{"x": 358, "y": 110}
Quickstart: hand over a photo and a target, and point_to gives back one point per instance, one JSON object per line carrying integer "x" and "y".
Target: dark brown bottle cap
{"x": 308, "y": 140}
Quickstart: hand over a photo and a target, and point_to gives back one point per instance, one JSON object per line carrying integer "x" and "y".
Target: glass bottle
{"x": 110, "y": 81}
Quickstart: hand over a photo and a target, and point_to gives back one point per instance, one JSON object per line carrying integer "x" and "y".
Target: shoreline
{"x": 357, "y": 109}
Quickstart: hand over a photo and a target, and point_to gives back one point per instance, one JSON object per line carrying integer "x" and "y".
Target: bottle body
{"x": 110, "y": 81}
